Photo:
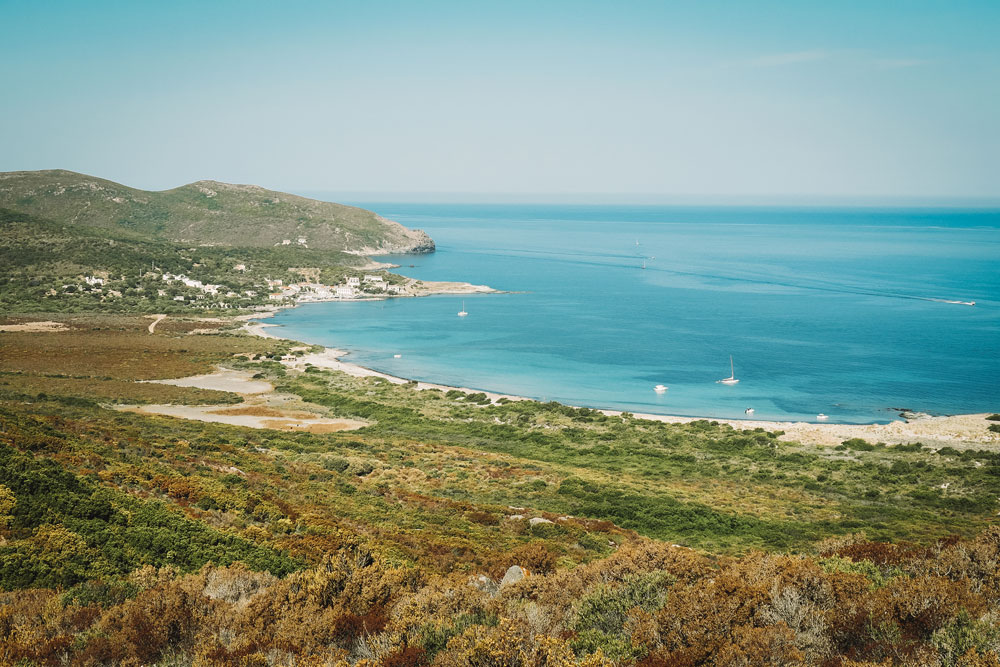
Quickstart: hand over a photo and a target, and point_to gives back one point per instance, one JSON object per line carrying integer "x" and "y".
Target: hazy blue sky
{"x": 690, "y": 98}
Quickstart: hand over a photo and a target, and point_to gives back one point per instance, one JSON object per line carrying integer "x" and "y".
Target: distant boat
{"x": 732, "y": 374}
{"x": 396, "y": 356}
{"x": 659, "y": 389}
{"x": 821, "y": 417}
{"x": 748, "y": 411}
{"x": 462, "y": 312}
{"x": 644, "y": 264}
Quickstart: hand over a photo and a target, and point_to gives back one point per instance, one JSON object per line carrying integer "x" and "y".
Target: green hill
{"x": 206, "y": 213}
{"x": 43, "y": 265}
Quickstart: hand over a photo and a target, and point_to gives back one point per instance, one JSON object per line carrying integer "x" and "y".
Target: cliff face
{"x": 414, "y": 241}
{"x": 206, "y": 213}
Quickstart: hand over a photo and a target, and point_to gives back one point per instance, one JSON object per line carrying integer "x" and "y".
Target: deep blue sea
{"x": 824, "y": 310}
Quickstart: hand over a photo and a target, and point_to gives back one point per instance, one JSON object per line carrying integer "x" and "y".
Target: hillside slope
{"x": 206, "y": 213}
{"x": 43, "y": 265}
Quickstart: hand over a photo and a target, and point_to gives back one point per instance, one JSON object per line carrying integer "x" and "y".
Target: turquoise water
{"x": 823, "y": 310}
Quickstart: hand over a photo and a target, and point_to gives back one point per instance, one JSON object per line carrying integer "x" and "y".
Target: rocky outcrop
{"x": 422, "y": 243}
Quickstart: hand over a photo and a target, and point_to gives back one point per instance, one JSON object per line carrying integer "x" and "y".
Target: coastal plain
{"x": 792, "y": 490}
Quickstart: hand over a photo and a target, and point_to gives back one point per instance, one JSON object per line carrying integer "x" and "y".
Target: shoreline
{"x": 941, "y": 431}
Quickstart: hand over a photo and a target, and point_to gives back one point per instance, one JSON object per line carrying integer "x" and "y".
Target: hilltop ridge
{"x": 206, "y": 213}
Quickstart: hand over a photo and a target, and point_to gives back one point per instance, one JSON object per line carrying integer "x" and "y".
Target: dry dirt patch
{"x": 238, "y": 382}
{"x": 274, "y": 419}
{"x": 35, "y": 327}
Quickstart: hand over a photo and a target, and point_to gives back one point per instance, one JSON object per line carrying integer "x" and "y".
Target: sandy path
{"x": 159, "y": 318}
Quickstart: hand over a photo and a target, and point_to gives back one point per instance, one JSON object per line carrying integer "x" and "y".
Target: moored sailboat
{"x": 732, "y": 374}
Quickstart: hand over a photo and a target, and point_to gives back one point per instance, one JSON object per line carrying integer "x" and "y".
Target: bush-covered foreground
{"x": 854, "y": 603}
{"x": 140, "y": 540}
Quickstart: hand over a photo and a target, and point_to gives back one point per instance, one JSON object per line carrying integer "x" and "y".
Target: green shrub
{"x": 965, "y": 634}
{"x": 336, "y": 463}
{"x": 858, "y": 445}
{"x": 606, "y": 608}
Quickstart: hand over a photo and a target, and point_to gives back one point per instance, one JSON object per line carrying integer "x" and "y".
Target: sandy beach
{"x": 960, "y": 431}
{"x": 330, "y": 359}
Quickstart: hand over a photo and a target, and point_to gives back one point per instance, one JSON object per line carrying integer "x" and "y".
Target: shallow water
{"x": 835, "y": 311}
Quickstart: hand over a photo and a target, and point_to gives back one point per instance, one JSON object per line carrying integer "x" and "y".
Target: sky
{"x": 703, "y": 100}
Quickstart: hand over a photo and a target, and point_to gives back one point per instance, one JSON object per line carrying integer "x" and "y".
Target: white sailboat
{"x": 659, "y": 389}
{"x": 732, "y": 374}
{"x": 462, "y": 312}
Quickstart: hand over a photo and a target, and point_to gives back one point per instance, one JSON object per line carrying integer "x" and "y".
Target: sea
{"x": 855, "y": 313}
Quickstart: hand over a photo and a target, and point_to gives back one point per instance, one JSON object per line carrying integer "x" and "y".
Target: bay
{"x": 825, "y": 310}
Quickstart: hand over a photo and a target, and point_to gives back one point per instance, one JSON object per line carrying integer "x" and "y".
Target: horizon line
{"x": 651, "y": 199}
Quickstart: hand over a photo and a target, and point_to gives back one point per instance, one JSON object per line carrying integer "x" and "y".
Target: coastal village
{"x": 353, "y": 287}
{"x": 184, "y": 290}
{"x": 239, "y": 287}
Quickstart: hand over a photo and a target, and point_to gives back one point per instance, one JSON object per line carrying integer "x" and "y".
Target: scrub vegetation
{"x": 135, "y": 539}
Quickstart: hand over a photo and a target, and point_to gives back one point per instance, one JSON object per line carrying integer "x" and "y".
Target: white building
{"x": 373, "y": 279}
{"x": 92, "y": 280}
{"x": 344, "y": 292}
{"x": 394, "y": 289}
{"x": 353, "y": 281}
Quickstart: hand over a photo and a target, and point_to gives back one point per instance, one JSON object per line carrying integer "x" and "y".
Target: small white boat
{"x": 644, "y": 264}
{"x": 748, "y": 411}
{"x": 462, "y": 312}
{"x": 732, "y": 374}
{"x": 659, "y": 389}
{"x": 821, "y": 417}
{"x": 397, "y": 356}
